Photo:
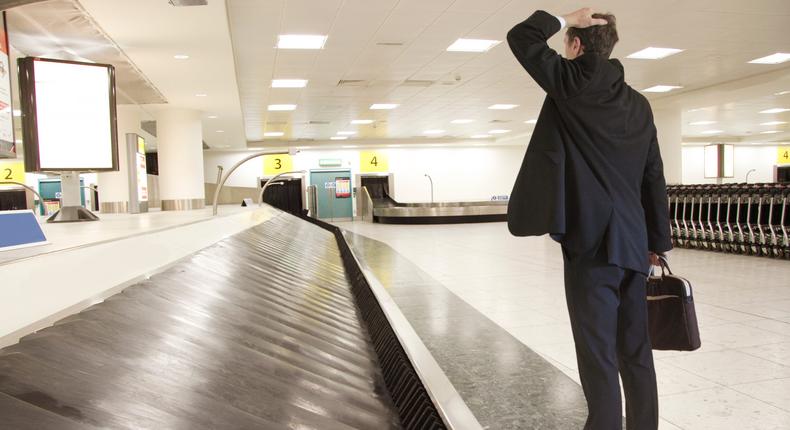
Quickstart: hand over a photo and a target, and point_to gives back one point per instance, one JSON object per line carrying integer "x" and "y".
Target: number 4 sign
{"x": 783, "y": 155}
{"x": 373, "y": 162}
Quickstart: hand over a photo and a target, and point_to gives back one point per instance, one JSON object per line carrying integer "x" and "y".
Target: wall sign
{"x": 330, "y": 162}
{"x": 12, "y": 171}
{"x": 276, "y": 164}
{"x": 373, "y": 162}
{"x": 783, "y": 155}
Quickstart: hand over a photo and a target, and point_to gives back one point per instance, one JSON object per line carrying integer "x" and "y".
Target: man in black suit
{"x": 593, "y": 179}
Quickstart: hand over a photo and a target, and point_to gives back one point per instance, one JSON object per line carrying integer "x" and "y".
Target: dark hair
{"x": 597, "y": 39}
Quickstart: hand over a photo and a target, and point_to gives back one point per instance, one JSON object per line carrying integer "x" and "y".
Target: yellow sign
{"x": 783, "y": 155}
{"x": 373, "y": 161}
{"x": 12, "y": 171}
{"x": 276, "y": 164}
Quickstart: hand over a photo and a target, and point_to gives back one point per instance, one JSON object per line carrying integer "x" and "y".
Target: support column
{"x": 669, "y": 123}
{"x": 180, "y": 152}
{"x": 114, "y": 186}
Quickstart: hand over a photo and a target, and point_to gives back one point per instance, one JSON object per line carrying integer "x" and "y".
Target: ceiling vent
{"x": 352, "y": 83}
{"x": 499, "y": 121}
{"x": 180, "y": 3}
{"x": 318, "y": 123}
{"x": 417, "y": 83}
{"x": 390, "y": 44}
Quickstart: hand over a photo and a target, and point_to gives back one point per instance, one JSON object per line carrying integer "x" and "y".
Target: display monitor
{"x": 68, "y": 115}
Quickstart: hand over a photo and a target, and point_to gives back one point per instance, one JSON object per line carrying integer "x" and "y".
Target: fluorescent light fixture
{"x": 712, "y": 132}
{"x": 201, "y": 95}
{"x": 300, "y": 41}
{"x": 770, "y": 132}
{"x": 462, "y": 121}
{"x": 212, "y": 117}
{"x": 652, "y": 53}
{"x": 17, "y": 112}
{"x": 361, "y": 121}
{"x": 350, "y": 146}
{"x": 531, "y": 121}
{"x": 481, "y": 136}
{"x": 383, "y": 106}
{"x": 778, "y": 58}
{"x": 394, "y": 146}
{"x": 661, "y": 88}
{"x": 276, "y": 108}
{"x": 473, "y": 45}
{"x": 502, "y": 106}
{"x": 781, "y": 93}
{"x": 498, "y": 131}
{"x": 346, "y": 133}
{"x": 289, "y": 83}
{"x": 273, "y": 134}
{"x": 338, "y": 138}
{"x": 433, "y": 131}
{"x": 303, "y": 147}
{"x": 773, "y": 123}
{"x": 702, "y": 123}
{"x": 181, "y": 57}
{"x": 775, "y": 110}
{"x": 220, "y": 131}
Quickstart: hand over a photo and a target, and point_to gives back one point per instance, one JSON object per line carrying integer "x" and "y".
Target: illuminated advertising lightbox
{"x": 342, "y": 188}
{"x": 68, "y": 115}
{"x": 142, "y": 174}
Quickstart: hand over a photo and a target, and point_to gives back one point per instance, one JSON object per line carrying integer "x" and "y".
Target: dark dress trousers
{"x": 593, "y": 179}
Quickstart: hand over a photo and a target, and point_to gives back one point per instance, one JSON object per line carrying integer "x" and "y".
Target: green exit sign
{"x": 330, "y": 162}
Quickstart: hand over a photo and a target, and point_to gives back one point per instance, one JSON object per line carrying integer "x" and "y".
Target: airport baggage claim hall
{"x": 292, "y": 214}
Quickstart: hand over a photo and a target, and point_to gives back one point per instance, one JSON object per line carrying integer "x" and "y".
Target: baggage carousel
{"x": 276, "y": 327}
{"x": 379, "y": 207}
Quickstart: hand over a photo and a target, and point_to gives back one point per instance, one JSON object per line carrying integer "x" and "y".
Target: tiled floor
{"x": 739, "y": 379}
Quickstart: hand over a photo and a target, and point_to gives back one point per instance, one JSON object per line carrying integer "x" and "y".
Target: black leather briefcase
{"x": 671, "y": 315}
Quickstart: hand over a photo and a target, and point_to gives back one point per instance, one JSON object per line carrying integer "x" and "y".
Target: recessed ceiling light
{"x": 338, "y": 138}
{"x": 481, "y": 136}
{"x": 770, "y": 132}
{"x": 652, "y": 53}
{"x": 281, "y": 107}
{"x": 300, "y": 41}
{"x": 17, "y": 112}
{"x": 181, "y": 57}
{"x": 775, "y": 110}
{"x": 303, "y": 147}
{"x": 394, "y": 146}
{"x": 773, "y": 123}
{"x": 702, "y": 123}
{"x": 433, "y": 131}
{"x": 472, "y": 45}
{"x": 502, "y": 106}
{"x": 201, "y": 95}
{"x": 498, "y": 131}
{"x": 531, "y": 121}
{"x": 781, "y": 93}
{"x": 346, "y": 133}
{"x": 273, "y": 134}
{"x": 712, "y": 132}
{"x": 479, "y": 144}
{"x": 362, "y": 121}
{"x": 350, "y": 146}
{"x": 462, "y": 121}
{"x": 383, "y": 106}
{"x": 212, "y": 117}
{"x": 220, "y": 131}
{"x": 661, "y": 88}
{"x": 779, "y": 57}
{"x": 289, "y": 83}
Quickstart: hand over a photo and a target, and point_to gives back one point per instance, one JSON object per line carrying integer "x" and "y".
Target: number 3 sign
{"x": 276, "y": 164}
{"x": 373, "y": 162}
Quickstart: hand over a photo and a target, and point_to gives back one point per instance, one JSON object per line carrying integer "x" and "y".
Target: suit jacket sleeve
{"x": 655, "y": 201}
{"x": 559, "y": 77}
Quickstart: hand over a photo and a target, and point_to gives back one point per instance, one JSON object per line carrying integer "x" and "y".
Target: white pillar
{"x": 179, "y": 136}
{"x": 669, "y": 123}
{"x": 114, "y": 186}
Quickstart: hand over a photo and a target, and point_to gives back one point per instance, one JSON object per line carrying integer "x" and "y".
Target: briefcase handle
{"x": 663, "y": 262}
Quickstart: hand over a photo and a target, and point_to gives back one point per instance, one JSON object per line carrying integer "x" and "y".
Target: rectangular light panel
{"x": 289, "y": 83}
{"x": 472, "y": 45}
{"x": 502, "y": 107}
{"x": 276, "y": 108}
{"x": 300, "y": 41}
{"x": 383, "y": 106}
{"x": 661, "y": 88}
{"x": 775, "y": 110}
{"x": 778, "y": 58}
{"x": 652, "y": 53}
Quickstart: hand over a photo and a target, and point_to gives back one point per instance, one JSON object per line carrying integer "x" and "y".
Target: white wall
{"x": 761, "y": 158}
{"x": 460, "y": 173}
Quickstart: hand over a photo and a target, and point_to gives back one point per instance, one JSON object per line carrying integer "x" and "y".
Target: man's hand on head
{"x": 582, "y": 18}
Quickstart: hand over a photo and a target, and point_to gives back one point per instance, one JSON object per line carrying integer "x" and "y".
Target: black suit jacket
{"x": 592, "y": 175}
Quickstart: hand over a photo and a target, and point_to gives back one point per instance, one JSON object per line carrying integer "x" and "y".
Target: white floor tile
{"x": 729, "y": 367}
{"x": 775, "y": 392}
{"x": 722, "y": 409}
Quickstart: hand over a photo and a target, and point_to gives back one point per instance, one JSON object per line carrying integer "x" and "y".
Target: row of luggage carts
{"x": 752, "y": 219}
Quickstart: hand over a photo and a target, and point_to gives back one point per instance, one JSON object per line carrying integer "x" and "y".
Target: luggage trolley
{"x": 784, "y": 223}
{"x": 673, "y": 192}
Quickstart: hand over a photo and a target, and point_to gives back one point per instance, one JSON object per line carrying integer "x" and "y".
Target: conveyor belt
{"x": 261, "y": 330}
